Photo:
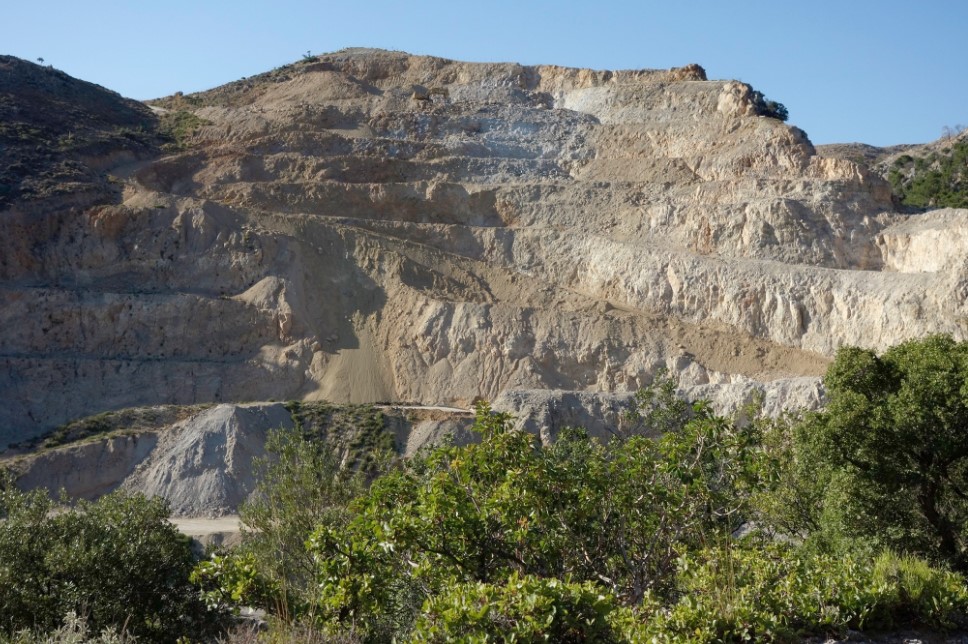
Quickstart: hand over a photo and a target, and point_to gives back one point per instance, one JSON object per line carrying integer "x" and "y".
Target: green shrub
{"x": 229, "y": 581}
{"x": 887, "y": 460}
{"x": 781, "y": 593}
{"x": 522, "y": 609}
{"x": 74, "y": 630}
{"x": 116, "y": 562}
{"x": 768, "y": 108}
{"x": 914, "y": 593}
{"x": 617, "y": 514}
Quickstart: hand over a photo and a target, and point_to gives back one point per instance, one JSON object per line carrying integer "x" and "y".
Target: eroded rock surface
{"x": 374, "y": 226}
{"x": 203, "y": 465}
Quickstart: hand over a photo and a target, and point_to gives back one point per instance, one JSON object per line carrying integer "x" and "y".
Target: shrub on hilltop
{"x": 768, "y": 108}
{"x": 939, "y": 180}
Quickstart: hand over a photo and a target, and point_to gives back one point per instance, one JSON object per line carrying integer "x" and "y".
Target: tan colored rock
{"x": 926, "y": 243}
{"x": 544, "y": 228}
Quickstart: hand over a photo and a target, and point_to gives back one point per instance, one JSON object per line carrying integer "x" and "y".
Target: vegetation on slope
{"x": 177, "y": 129}
{"x": 236, "y": 93}
{"x": 130, "y": 420}
{"x": 54, "y": 129}
{"x": 938, "y": 180}
{"x": 356, "y": 433}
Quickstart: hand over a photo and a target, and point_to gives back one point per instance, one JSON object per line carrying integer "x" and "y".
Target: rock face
{"x": 206, "y": 468}
{"x": 203, "y": 465}
{"x": 373, "y": 226}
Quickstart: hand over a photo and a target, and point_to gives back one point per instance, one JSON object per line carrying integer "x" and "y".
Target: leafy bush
{"x": 231, "y": 580}
{"x": 911, "y": 592}
{"x": 632, "y": 540}
{"x": 778, "y": 592}
{"x": 117, "y": 563}
{"x": 616, "y": 514}
{"x": 522, "y": 609}
{"x": 887, "y": 460}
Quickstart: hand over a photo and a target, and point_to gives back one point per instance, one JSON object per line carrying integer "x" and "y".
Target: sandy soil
{"x": 203, "y": 527}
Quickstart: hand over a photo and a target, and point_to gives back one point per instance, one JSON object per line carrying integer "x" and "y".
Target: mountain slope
{"x": 369, "y": 225}
{"x": 58, "y": 134}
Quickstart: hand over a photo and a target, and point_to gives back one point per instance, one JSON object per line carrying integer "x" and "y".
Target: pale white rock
{"x": 204, "y": 465}
{"x": 926, "y": 243}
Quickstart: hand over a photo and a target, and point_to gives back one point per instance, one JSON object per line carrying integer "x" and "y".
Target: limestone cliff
{"x": 373, "y": 226}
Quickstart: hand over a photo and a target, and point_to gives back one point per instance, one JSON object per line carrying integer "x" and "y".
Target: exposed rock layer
{"x": 203, "y": 464}
{"x": 372, "y": 226}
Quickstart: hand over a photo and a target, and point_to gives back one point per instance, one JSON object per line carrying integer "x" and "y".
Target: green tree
{"x": 116, "y": 562}
{"x": 616, "y": 514}
{"x": 301, "y": 486}
{"x": 887, "y": 460}
{"x": 771, "y": 109}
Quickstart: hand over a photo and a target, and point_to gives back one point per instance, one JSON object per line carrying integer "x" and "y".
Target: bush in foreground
{"x": 521, "y": 609}
{"x": 116, "y": 563}
{"x": 887, "y": 461}
{"x": 617, "y": 515}
{"x": 774, "y": 592}
{"x": 631, "y": 540}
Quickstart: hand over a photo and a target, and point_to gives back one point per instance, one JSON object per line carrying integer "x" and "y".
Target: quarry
{"x": 413, "y": 233}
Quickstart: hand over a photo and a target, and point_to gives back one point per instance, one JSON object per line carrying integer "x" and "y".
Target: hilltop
{"x": 58, "y": 134}
{"x": 930, "y": 175}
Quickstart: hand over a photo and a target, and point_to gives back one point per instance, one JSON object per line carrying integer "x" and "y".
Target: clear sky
{"x": 879, "y": 72}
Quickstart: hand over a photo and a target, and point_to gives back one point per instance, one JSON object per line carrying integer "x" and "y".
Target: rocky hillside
{"x": 372, "y": 226}
{"x": 58, "y": 135}
{"x": 201, "y": 459}
{"x": 922, "y": 177}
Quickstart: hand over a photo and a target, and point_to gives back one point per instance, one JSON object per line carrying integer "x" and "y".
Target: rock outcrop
{"x": 374, "y": 226}
{"x": 203, "y": 465}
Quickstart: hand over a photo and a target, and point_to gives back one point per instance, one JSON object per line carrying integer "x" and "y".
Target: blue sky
{"x": 880, "y": 72}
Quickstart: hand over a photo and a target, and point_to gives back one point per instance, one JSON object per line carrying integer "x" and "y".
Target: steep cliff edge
{"x": 369, "y": 226}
